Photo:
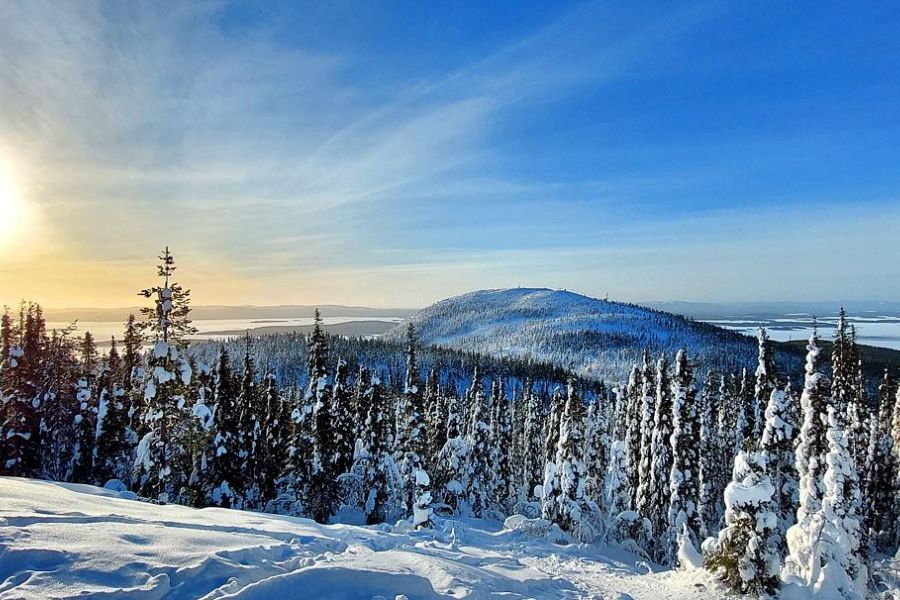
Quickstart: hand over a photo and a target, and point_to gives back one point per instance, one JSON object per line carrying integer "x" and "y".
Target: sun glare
{"x": 12, "y": 206}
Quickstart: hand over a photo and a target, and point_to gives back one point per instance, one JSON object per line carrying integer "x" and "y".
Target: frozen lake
{"x": 871, "y": 330}
{"x": 104, "y": 330}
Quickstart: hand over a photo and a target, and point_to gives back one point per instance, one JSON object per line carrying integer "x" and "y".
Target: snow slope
{"x": 598, "y": 338}
{"x": 67, "y": 540}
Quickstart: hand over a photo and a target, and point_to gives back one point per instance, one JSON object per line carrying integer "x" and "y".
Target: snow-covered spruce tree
{"x": 160, "y": 463}
{"x": 271, "y": 447}
{"x": 224, "y": 458}
{"x": 742, "y": 554}
{"x": 777, "y": 445}
{"x": 684, "y": 483}
{"x": 881, "y": 489}
{"x": 648, "y": 412}
{"x": 661, "y": 451}
{"x": 197, "y": 433}
{"x": 839, "y": 542}
{"x": 746, "y": 400}
{"x": 361, "y": 406}
{"x": 726, "y": 423}
{"x": 766, "y": 378}
{"x": 375, "y": 464}
{"x": 517, "y": 450}
{"x": 323, "y": 491}
{"x": 344, "y": 426}
{"x": 552, "y": 423}
{"x": 85, "y": 418}
{"x": 847, "y": 390}
{"x": 563, "y": 499}
{"x": 633, "y": 415}
{"x": 131, "y": 351}
{"x": 710, "y": 465}
{"x": 478, "y": 440}
{"x": 244, "y": 482}
{"x": 21, "y": 396}
{"x": 112, "y": 439}
{"x": 802, "y": 562}
{"x": 57, "y": 406}
{"x": 597, "y": 453}
{"x": 858, "y": 415}
{"x": 132, "y": 375}
{"x": 453, "y": 461}
{"x": 501, "y": 447}
{"x": 412, "y": 443}
{"x": 436, "y": 406}
{"x": 533, "y": 452}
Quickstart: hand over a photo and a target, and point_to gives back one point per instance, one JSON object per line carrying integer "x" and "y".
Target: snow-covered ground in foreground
{"x": 67, "y": 540}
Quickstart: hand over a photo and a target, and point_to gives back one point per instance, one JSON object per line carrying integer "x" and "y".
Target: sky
{"x": 396, "y": 153}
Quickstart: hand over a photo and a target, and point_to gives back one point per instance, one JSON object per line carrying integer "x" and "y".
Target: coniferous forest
{"x": 758, "y": 478}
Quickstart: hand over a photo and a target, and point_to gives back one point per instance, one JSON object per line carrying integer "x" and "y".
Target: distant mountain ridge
{"x": 246, "y": 311}
{"x": 597, "y": 338}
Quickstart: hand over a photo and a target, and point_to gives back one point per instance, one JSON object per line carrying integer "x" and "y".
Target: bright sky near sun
{"x": 395, "y": 153}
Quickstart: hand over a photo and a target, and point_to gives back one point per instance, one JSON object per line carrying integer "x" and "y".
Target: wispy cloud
{"x": 137, "y": 124}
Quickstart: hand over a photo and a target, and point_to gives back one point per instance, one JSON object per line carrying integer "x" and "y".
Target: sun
{"x": 12, "y": 206}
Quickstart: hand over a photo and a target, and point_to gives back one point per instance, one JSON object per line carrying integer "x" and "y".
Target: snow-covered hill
{"x": 598, "y": 338}
{"x": 67, "y": 540}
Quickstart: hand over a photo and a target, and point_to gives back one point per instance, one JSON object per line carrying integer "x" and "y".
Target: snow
{"x": 688, "y": 556}
{"x": 66, "y": 540}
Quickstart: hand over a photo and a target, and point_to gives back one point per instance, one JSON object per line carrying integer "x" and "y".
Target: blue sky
{"x": 396, "y": 153}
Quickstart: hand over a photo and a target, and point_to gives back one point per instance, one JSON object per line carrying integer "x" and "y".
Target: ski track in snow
{"x": 69, "y": 540}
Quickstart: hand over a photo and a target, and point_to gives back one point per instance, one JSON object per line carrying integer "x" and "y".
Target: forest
{"x": 762, "y": 481}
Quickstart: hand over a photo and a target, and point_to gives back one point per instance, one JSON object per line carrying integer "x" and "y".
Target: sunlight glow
{"x": 13, "y": 213}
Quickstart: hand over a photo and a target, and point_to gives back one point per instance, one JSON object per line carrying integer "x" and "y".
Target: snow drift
{"x": 69, "y": 540}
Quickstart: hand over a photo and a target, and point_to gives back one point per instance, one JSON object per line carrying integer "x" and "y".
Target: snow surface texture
{"x": 68, "y": 540}
{"x": 598, "y": 338}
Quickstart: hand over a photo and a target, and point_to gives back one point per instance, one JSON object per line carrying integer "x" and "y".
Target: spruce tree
{"x": 160, "y": 460}
{"x": 766, "y": 378}
{"x": 435, "y": 404}
{"x": 777, "y": 445}
{"x": 224, "y": 460}
{"x": 21, "y": 395}
{"x": 839, "y": 542}
{"x": 452, "y": 463}
{"x": 375, "y": 465}
{"x": 801, "y": 563}
{"x": 881, "y": 486}
{"x": 710, "y": 466}
{"x": 661, "y": 451}
{"x": 564, "y": 501}
{"x": 412, "y": 445}
{"x": 478, "y": 440}
{"x": 501, "y": 447}
{"x": 244, "y": 482}
{"x": 596, "y": 453}
{"x": 746, "y": 400}
{"x": 684, "y": 484}
{"x": 742, "y": 554}
{"x": 322, "y": 493}
{"x": 533, "y": 453}
{"x": 727, "y": 425}
{"x": 647, "y": 413}
{"x": 344, "y": 426}
{"x": 634, "y": 414}
{"x": 57, "y": 407}
{"x": 113, "y": 440}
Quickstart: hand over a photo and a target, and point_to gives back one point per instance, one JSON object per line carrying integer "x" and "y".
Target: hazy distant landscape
{"x": 877, "y": 323}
